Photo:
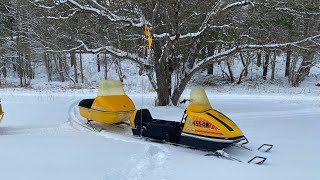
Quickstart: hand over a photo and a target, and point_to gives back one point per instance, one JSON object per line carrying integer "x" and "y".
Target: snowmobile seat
{"x": 86, "y": 103}
{"x": 155, "y": 128}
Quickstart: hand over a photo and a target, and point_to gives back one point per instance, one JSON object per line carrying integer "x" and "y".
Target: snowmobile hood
{"x": 212, "y": 124}
{"x": 202, "y": 120}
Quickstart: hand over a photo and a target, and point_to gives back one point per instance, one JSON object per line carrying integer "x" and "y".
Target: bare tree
{"x": 181, "y": 31}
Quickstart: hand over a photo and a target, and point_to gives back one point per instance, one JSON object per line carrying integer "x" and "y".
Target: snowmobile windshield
{"x": 110, "y": 88}
{"x": 199, "y": 101}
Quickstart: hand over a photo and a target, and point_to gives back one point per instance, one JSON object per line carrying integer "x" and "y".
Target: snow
{"x": 40, "y": 135}
{"x": 41, "y": 139}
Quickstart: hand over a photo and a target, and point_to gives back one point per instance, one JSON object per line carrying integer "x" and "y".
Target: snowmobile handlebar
{"x": 184, "y": 101}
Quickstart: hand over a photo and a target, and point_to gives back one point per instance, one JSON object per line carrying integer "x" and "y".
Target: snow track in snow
{"x": 149, "y": 163}
{"x": 31, "y": 131}
{"x": 146, "y": 165}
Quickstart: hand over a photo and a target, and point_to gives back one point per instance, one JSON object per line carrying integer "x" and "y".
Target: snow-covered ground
{"x": 40, "y": 139}
{"x": 40, "y": 135}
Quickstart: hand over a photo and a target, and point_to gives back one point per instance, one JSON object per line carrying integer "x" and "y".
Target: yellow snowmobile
{"x": 111, "y": 106}
{"x": 201, "y": 126}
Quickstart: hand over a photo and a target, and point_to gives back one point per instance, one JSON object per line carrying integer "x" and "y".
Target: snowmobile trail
{"x": 149, "y": 163}
{"x": 30, "y": 131}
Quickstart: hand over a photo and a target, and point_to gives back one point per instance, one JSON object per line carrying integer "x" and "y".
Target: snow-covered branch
{"x": 281, "y": 45}
{"x": 35, "y": 3}
{"x": 237, "y": 4}
{"x": 101, "y": 10}
{"x": 61, "y": 17}
{"x": 216, "y": 8}
{"x": 292, "y": 11}
{"x": 218, "y": 55}
{"x": 116, "y": 52}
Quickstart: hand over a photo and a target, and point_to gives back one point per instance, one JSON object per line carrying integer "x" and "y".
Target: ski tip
{"x": 257, "y": 160}
{"x": 265, "y": 147}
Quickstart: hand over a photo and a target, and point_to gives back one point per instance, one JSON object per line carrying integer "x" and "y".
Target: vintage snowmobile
{"x": 111, "y": 106}
{"x": 201, "y": 127}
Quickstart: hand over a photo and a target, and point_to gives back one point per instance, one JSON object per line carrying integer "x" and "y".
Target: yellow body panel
{"x": 111, "y": 105}
{"x": 206, "y": 125}
{"x": 109, "y": 109}
{"x": 107, "y": 117}
{"x": 202, "y": 120}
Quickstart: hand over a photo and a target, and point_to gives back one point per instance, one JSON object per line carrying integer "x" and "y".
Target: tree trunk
{"x": 64, "y": 62}
{"x": 29, "y": 70}
{"x": 98, "y": 62}
{"x": 14, "y": 67}
{"x": 273, "y": 64}
{"x": 265, "y": 66}
{"x": 304, "y": 69}
{"x": 244, "y": 71}
{"x": 259, "y": 59}
{"x": 288, "y": 60}
{"x": 20, "y": 71}
{"x": 230, "y": 72}
{"x": 81, "y": 68}
{"x": 46, "y": 63}
{"x": 210, "y": 69}
{"x": 290, "y": 35}
{"x": 60, "y": 68}
{"x": 119, "y": 69}
{"x": 163, "y": 76}
{"x": 105, "y": 66}
{"x": 179, "y": 88}
{"x": 244, "y": 63}
{"x": 74, "y": 60}
{"x": 4, "y": 70}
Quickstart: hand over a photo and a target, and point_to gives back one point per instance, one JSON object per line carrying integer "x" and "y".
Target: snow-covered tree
{"x": 187, "y": 34}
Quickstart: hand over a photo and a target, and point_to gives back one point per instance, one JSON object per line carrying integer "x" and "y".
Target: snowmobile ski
{"x": 220, "y": 153}
{"x": 260, "y": 160}
{"x": 263, "y": 147}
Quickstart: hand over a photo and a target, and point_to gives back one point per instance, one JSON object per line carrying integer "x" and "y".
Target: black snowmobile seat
{"x": 86, "y": 103}
{"x": 156, "y": 128}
